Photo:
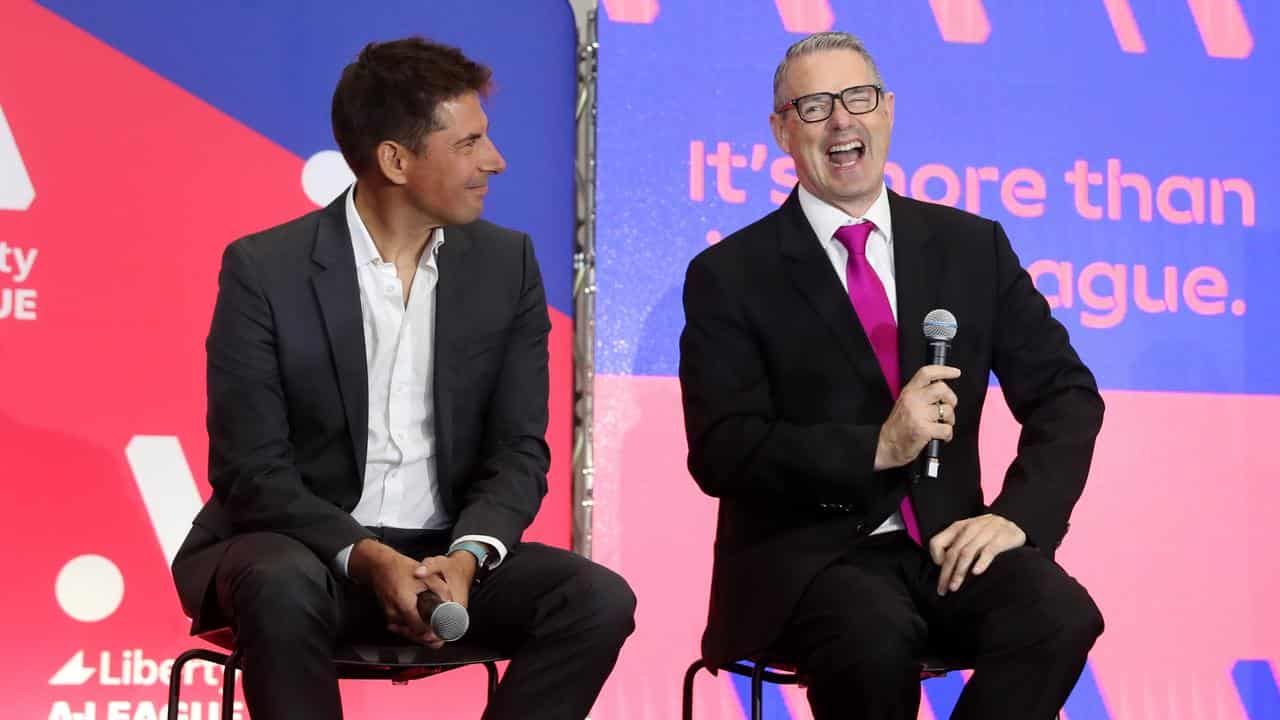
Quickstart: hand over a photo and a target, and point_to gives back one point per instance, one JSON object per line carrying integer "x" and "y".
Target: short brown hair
{"x": 819, "y": 42}
{"x": 392, "y": 92}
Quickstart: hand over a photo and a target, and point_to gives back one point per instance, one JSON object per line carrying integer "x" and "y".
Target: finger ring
{"x": 940, "y": 416}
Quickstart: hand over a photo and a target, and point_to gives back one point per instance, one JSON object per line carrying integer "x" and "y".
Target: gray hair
{"x": 819, "y": 42}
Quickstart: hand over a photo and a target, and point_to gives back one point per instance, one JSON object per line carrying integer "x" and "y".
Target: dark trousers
{"x": 865, "y": 620}
{"x": 562, "y": 618}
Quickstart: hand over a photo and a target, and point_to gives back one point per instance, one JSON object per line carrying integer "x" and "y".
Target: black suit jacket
{"x": 784, "y": 399}
{"x": 288, "y": 392}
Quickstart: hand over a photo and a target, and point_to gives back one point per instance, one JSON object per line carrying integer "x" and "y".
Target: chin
{"x": 863, "y": 189}
{"x": 466, "y": 215}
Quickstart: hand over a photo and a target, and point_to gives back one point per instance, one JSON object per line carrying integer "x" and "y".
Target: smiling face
{"x": 448, "y": 180}
{"x": 841, "y": 159}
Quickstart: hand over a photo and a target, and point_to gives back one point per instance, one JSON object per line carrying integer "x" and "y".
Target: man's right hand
{"x": 392, "y": 577}
{"x": 926, "y": 409}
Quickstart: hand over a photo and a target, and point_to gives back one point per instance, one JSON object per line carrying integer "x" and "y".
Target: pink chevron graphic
{"x": 805, "y": 16}
{"x": 1126, "y": 28}
{"x": 961, "y": 21}
{"x": 1221, "y": 23}
{"x": 1223, "y": 29}
{"x": 642, "y": 12}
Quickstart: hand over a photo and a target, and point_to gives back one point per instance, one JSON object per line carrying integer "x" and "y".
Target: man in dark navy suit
{"x": 377, "y": 390}
{"x": 808, "y": 402}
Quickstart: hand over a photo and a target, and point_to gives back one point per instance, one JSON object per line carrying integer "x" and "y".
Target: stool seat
{"x": 393, "y": 660}
{"x": 781, "y": 672}
{"x": 400, "y": 663}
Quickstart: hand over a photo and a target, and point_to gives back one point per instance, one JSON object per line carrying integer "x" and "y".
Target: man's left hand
{"x": 449, "y": 576}
{"x": 969, "y": 546}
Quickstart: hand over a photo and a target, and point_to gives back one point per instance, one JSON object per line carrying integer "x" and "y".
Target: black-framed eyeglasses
{"x": 858, "y": 100}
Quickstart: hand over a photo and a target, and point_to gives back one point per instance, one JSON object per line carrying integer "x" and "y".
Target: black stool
{"x": 780, "y": 673}
{"x": 397, "y": 663}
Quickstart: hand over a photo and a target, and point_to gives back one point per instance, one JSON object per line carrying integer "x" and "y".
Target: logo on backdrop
{"x": 16, "y": 191}
{"x": 1221, "y": 23}
{"x": 17, "y": 301}
{"x": 90, "y": 588}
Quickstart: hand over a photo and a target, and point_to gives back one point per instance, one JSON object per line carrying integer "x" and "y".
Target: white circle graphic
{"x": 89, "y": 588}
{"x": 324, "y": 175}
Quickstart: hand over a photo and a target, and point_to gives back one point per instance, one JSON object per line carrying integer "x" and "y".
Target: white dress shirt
{"x": 401, "y": 486}
{"x": 825, "y": 219}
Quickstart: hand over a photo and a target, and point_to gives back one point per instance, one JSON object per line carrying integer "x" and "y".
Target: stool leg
{"x": 686, "y": 697}
{"x": 492, "y": 670}
{"x": 175, "y": 675}
{"x": 229, "y": 686}
{"x": 757, "y": 692}
{"x": 175, "y": 684}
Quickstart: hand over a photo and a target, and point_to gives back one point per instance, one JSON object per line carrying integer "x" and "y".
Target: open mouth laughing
{"x": 846, "y": 154}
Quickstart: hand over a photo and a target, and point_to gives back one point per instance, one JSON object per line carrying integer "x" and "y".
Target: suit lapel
{"x": 810, "y": 270}
{"x": 338, "y": 293}
{"x": 450, "y": 304}
{"x": 915, "y": 271}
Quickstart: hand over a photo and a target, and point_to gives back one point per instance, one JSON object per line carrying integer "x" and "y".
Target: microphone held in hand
{"x": 939, "y": 331}
{"x": 449, "y": 620}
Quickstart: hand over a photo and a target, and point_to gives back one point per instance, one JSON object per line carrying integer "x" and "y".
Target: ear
{"x": 393, "y": 161}
{"x": 887, "y": 101}
{"x": 778, "y": 123}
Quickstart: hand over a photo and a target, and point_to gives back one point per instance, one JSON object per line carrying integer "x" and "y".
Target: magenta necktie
{"x": 871, "y": 303}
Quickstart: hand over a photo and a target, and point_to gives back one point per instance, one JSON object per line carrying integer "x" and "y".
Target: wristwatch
{"x": 479, "y": 550}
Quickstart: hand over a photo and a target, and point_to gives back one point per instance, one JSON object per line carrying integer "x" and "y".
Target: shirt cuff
{"x": 495, "y": 559}
{"x": 340, "y": 561}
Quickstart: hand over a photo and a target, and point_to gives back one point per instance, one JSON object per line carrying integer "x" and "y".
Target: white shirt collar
{"x": 362, "y": 242}
{"x": 825, "y": 218}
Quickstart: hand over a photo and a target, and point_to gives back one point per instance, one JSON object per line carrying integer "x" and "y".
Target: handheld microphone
{"x": 939, "y": 331}
{"x": 449, "y": 620}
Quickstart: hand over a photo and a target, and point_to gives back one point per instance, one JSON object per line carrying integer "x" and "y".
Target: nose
{"x": 493, "y": 163}
{"x": 841, "y": 117}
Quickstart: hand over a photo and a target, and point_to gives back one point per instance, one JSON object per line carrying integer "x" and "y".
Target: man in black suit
{"x": 833, "y": 553}
{"x": 377, "y": 386}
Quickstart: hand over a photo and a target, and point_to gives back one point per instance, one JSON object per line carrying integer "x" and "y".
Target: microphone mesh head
{"x": 940, "y": 325}
{"x": 450, "y": 621}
